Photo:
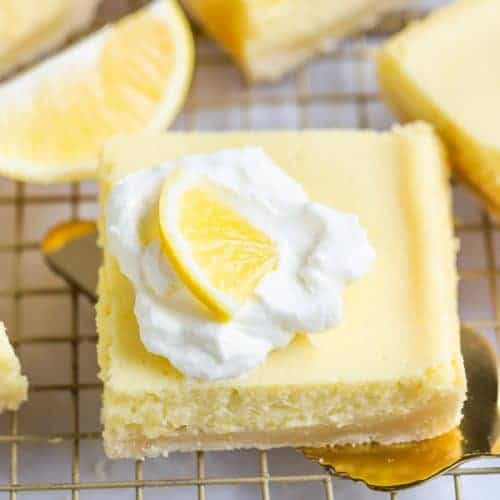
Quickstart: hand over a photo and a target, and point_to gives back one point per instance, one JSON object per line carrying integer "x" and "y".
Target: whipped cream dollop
{"x": 321, "y": 250}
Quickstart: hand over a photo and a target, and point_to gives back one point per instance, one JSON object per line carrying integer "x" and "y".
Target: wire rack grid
{"x": 51, "y": 448}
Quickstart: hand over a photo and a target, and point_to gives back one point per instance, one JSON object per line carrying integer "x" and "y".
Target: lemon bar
{"x": 27, "y": 30}
{"x": 267, "y": 38}
{"x": 14, "y": 386}
{"x": 391, "y": 372}
{"x": 442, "y": 70}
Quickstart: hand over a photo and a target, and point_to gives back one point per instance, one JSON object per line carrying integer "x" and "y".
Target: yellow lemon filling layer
{"x": 392, "y": 371}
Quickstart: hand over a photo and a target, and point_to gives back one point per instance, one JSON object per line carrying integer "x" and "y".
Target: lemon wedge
{"x": 219, "y": 255}
{"x": 27, "y": 30}
{"x": 129, "y": 77}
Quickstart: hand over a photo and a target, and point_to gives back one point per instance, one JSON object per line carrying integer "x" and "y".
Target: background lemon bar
{"x": 268, "y": 37}
{"x": 445, "y": 70}
{"x": 28, "y": 28}
{"x": 391, "y": 372}
{"x": 13, "y": 385}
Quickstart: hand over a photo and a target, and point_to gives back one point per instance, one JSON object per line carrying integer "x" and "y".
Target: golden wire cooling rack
{"x": 51, "y": 448}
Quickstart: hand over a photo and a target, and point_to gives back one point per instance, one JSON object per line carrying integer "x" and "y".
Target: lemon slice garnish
{"x": 129, "y": 77}
{"x": 217, "y": 252}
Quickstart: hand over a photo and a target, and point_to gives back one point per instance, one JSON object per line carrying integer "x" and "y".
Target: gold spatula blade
{"x": 71, "y": 251}
{"x": 402, "y": 465}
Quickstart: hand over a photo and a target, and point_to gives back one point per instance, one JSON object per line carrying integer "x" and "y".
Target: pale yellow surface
{"x": 397, "y": 349}
{"x": 269, "y": 37}
{"x": 444, "y": 70}
{"x": 13, "y": 385}
{"x": 28, "y": 30}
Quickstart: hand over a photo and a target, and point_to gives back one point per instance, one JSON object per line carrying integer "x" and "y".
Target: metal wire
{"x": 355, "y": 52}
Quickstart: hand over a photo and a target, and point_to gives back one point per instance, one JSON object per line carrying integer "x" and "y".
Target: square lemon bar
{"x": 13, "y": 386}
{"x": 444, "y": 70}
{"x": 270, "y": 37}
{"x": 391, "y": 372}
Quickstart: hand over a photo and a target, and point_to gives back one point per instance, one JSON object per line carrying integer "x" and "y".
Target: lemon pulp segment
{"x": 219, "y": 254}
{"x": 71, "y": 117}
{"x": 130, "y": 77}
{"x": 135, "y": 66}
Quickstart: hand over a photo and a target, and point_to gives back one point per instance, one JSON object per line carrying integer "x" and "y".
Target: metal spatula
{"x": 398, "y": 466}
{"x": 71, "y": 251}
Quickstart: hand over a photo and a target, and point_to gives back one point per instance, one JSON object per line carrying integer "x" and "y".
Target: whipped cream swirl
{"x": 321, "y": 250}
